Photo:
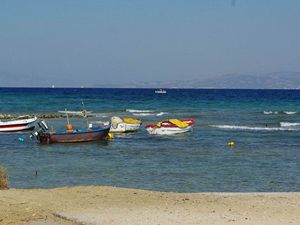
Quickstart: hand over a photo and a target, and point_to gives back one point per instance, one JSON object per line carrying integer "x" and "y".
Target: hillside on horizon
{"x": 276, "y": 80}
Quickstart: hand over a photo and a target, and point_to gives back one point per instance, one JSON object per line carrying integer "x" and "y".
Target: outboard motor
{"x": 35, "y": 134}
{"x": 43, "y": 128}
{"x": 43, "y": 125}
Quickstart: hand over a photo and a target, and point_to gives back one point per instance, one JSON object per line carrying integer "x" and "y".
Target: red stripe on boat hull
{"x": 13, "y": 125}
{"x": 12, "y": 129}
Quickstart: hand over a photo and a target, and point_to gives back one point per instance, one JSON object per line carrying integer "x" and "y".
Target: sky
{"x": 97, "y": 42}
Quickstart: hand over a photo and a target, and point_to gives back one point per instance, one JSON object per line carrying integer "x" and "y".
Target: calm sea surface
{"x": 265, "y": 124}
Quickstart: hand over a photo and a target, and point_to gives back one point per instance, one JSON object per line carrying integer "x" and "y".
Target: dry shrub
{"x": 3, "y": 178}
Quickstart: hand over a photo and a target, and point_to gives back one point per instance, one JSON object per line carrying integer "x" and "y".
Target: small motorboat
{"x": 82, "y": 113}
{"x": 123, "y": 125}
{"x": 46, "y": 136}
{"x": 170, "y": 127}
{"x": 17, "y": 125}
{"x": 160, "y": 91}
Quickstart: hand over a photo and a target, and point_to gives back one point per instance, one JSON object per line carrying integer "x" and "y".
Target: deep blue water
{"x": 265, "y": 124}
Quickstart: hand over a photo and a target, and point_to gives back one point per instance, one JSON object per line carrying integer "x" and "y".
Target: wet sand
{"x": 119, "y": 206}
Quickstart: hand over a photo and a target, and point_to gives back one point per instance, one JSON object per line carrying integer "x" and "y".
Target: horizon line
{"x": 168, "y": 88}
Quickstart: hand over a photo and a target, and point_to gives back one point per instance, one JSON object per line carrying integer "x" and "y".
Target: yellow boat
{"x": 123, "y": 125}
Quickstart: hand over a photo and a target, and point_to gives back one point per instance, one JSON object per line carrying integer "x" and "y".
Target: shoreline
{"x": 121, "y": 206}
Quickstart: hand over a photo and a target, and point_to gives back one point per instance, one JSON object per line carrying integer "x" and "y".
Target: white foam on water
{"x": 99, "y": 115}
{"x": 281, "y": 112}
{"x": 161, "y": 113}
{"x": 100, "y": 122}
{"x": 232, "y": 127}
{"x": 289, "y": 113}
{"x": 138, "y": 111}
{"x": 143, "y": 114}
{"x": 150, "y": 114}
{"x": 288, "y": 124}
{"x": 270, "y": 112}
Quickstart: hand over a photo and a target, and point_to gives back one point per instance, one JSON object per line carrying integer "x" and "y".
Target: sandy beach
{"x": 118, "y": 206}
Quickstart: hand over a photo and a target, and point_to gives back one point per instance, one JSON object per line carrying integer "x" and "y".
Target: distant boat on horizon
{"x": 160, "y": 91}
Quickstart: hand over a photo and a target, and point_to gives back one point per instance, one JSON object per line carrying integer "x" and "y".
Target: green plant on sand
{"x": 4, "y": 184}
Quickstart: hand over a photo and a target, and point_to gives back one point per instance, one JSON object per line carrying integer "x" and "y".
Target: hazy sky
{"x": 90, "y": 42}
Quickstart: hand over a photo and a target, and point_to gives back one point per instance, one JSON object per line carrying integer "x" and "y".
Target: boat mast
{"x": 84, "y": 113}
{"x": 67, "y": 116}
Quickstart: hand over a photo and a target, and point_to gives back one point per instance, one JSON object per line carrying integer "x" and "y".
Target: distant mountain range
{"x": 278, "y": 80}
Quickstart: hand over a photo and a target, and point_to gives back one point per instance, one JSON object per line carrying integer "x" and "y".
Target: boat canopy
{"x": 130, "y": 120}
{"x": 178, "y": 123}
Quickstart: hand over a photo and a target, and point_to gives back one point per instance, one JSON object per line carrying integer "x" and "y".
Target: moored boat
{"x": 46, "y": 136}
{"x": 123, "y": 125}
{"x": 82, "y": 113}
{"x": 17, "y": 125}
{"x": 170, "y": 127}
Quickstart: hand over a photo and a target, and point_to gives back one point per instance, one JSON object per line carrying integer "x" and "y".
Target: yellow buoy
{"x": 231, "y": 144}
{"x": 110, "y": 136}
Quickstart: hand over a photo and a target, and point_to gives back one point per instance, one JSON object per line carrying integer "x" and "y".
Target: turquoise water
{"x": 263, "y": 123}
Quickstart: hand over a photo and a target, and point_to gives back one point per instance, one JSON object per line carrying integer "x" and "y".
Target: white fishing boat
{"x": 170, "y": 127}
{"x": 123, "y": 125}
{"x": 160, "y": 91}
{"x": 83, "y": 113}
{"x": 17, "y": 125}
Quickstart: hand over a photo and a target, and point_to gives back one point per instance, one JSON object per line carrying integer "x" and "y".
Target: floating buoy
{"x": 21, "y": 139}
{"x": 231, "y": 144}
{"x": 110, "y": 136}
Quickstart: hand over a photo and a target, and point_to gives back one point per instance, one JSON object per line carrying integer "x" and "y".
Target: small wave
{"x": 161, "y": 113}
{"x": 138, "y": 111}
{"x": 99, "y": 115}
{"x": 100, "y": 122}
{"x": 232, "y": 127}
{"x": 270, "y": 112}
{"x": 150, "y": 114}
{"x": 281, "y": 112}
{"x": 288, "y": 124}
{"x": 289, "y": 113}
{"x": 143, "y": 114}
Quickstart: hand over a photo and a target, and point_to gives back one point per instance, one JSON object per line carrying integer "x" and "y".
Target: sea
{"x": 263, "y": 124}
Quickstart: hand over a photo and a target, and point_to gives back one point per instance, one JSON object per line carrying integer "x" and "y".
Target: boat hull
{"x": 17, "y": 125}
{"x": 167, "y": 130}
{"x": 73, "y": 137}
{"x": 16, "y": 128}
{"x": 125, "y": 127}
